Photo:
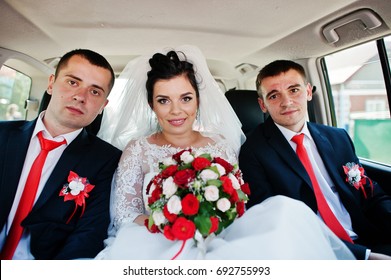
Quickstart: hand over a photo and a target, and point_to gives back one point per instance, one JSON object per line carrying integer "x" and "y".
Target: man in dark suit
{"x": 70, "y": 213}
{"x": 270, "y": 165}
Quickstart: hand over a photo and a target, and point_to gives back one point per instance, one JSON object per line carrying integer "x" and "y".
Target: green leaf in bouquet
{"x": 231, "y": 213}
{"x": 242, "y": 195}
{"x": 200, "y": 197}
{"x": 223, "y": 224}
{"x": 181, "y": 192}
{"x": 207, "y": 156}
{"x": 162, "y": 166}
{"x": 185, "y": 166}
{"x": 158, "y": 204}
{"x": 214, "y": 169}
{"x": 203, "y": 224}
{"x": 206, "y": 208}
{"x": 214, "y": 182}
{"x": 150, "y": 221}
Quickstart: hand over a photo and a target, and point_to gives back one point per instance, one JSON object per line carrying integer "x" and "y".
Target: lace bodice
{"x": 139, "y": 159}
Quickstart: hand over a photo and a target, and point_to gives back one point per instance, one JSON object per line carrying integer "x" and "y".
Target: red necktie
{"x": 28, "y": 197}
{"x": 323, "y": 207}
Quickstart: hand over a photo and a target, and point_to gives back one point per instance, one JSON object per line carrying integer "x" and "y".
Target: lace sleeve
{"x": 128, "y": 183}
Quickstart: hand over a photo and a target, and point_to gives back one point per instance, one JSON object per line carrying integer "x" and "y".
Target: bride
{"x": 169, "y": 102}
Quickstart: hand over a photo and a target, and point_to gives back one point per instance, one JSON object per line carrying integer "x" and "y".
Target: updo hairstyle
{"x": 165, "y": 67}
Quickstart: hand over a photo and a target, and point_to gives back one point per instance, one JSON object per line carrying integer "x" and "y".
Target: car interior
{"x": 237, "y": 37}
{"x": 344, "y": 47}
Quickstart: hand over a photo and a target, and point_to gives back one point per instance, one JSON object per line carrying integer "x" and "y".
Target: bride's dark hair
{"x": 165, "y": 67}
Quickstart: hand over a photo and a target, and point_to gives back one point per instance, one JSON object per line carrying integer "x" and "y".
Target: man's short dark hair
{"x": 93, "y": 57}
{"x": 277, "y": 67}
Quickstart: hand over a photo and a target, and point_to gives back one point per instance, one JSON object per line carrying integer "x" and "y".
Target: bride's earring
{"x": 198, "y": 118}
{"x": 156, "y": 122}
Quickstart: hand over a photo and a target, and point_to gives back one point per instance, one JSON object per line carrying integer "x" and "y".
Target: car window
{"x": 360, "y": 98}
{"x": 14, "y": 91}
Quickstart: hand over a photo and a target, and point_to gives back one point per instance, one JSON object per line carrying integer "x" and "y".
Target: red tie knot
{"x": 298, "y": 139}
{"x": 47, "y": 144}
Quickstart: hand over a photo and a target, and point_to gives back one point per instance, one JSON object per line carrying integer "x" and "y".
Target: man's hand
{"x": 378, "y": 256}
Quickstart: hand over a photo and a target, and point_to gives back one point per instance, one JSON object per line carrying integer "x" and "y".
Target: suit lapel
{"x": 68, "y": 160}
{"x": 15, "y": 152}
{"x": 278, "y": 142}
{"x": 328, "y": 155}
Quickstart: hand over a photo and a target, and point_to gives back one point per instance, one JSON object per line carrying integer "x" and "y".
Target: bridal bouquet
{"x": 195, "y": 196}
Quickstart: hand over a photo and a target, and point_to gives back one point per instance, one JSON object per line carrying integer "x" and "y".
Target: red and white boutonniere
{"x": 77, "y": 189}
{"x": 355, "y": 176}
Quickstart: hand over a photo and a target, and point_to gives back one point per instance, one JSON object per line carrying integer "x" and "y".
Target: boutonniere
{"x": 355, "y": 176}
{"x": 76, "y": 189}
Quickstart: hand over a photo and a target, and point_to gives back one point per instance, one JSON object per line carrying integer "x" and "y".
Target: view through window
{"x": 14, "y": 91}
{"x": 360, "y": 99}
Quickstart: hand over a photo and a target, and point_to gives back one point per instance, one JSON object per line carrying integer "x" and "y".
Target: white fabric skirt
{"x": 279, "y": 228}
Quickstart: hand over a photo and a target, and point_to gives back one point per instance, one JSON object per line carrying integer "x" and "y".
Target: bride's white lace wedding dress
{"x": 278, "y": 228}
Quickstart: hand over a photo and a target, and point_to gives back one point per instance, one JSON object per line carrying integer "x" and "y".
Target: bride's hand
{"x": 140, "y": 219}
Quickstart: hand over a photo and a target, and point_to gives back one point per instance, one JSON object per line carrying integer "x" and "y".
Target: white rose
{"x": 223, "y": 204}
{"x": 186, "y": 157}
{"x": 235, "y": 182}
{"x": 354, "y": 174}
{"x": 169, "y": 187}
{"x": 169, "y": 161}
{"x": 76, "y": 187}
{"x": 211, "y": 193}
{"x": 208, "y": 174}
{"x": 174, "y": 205}
{"x": 158, "y": 218}
{"x": 220, "y": 168}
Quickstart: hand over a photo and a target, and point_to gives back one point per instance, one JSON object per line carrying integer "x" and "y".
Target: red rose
{"x": 177, "y": 156}
{"x": 234, "y": 196}
{"x": 183, "y": 229}
{"x": 215, "y": 224}
{"x": 240, "y": 208}
{"x": 169, "y": 171}
{"x": 153, "y": 229}
{"x": 227, "y": 166}
{"x": 167, "y": 231}
{"x": 155, "y": 195}
{"x": 245, "y": 188}
{"x": 190, "y": 204}
{"x": 227, "y": 185}
{"x": 155, "y": 181}
{"x": 182, "y": 177}
{"x": 200, "y": 163}
{"x": 170, "y": 217}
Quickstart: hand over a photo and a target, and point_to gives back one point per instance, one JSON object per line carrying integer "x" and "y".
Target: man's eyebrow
{"x": 290, "y": 87}
{"x": 295, "y": 85}
{"x": 77, "y": 78}
{"x": 73, "y": 77}
{"x": 271, "y": 92}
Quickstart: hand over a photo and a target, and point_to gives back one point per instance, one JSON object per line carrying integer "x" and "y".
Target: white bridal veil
{"x": 128, "y": 115}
